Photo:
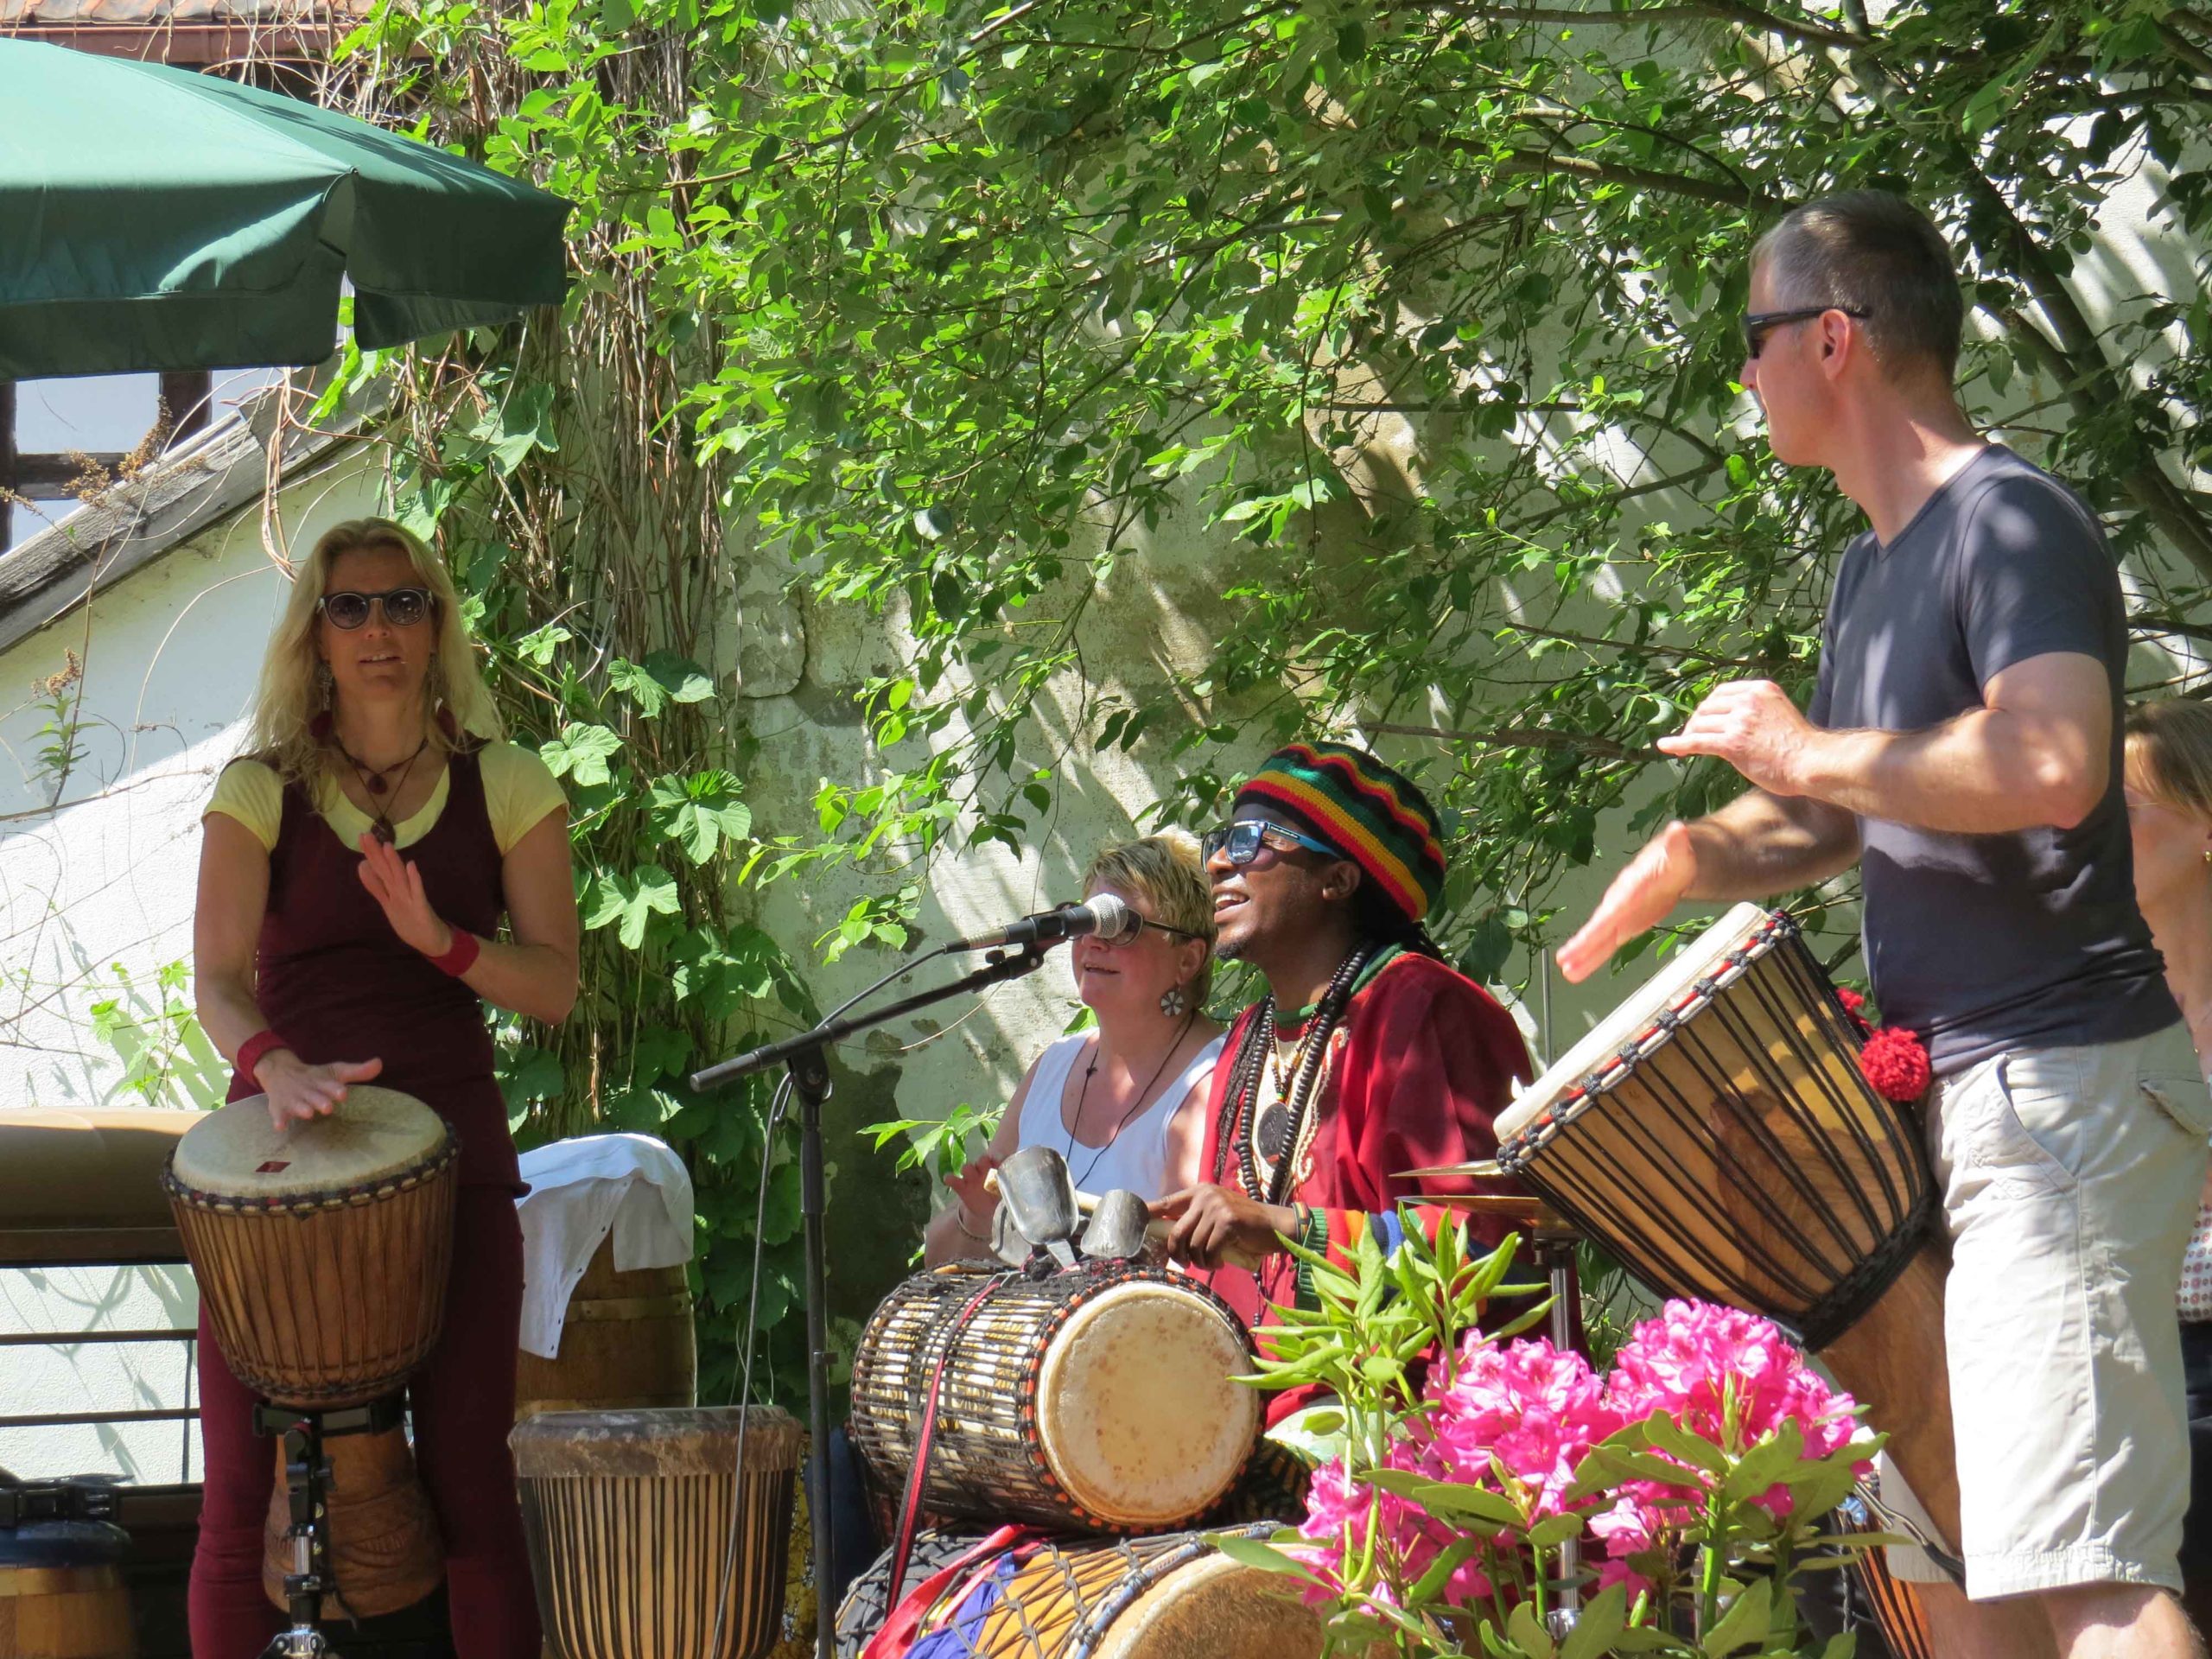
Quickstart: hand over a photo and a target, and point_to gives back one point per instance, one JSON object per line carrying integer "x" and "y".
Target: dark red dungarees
{"x": 337, "y": 984}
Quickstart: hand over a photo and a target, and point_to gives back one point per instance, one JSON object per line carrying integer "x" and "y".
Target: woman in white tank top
{"x": 1124, "y": 1103}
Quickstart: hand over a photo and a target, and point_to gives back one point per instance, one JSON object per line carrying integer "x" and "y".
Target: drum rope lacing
{"x": 1016, "y": 1429}
{"x": 1850, "y": 1273}
{"x": 309, "y": 1203}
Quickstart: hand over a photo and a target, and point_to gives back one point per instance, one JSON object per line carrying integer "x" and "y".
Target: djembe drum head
{"x": 1104, "y": 1398}
{"x": 321, "y": 1251}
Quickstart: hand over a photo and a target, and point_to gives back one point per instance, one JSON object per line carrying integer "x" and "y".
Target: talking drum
{"x": 321, "y": 1251}
{"x": 1716, "y": 1134}
{"x": 1172, "y": 1596}
{"x": 1102, "y": 1398}
{"x": 645, "y": 1542}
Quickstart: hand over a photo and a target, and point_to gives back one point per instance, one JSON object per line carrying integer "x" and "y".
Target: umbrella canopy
{"x": 154, "y": 219}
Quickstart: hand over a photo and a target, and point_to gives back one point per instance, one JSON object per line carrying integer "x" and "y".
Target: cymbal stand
{"x": 1553, "y": 1249}
{"x": 306, "y": 1480}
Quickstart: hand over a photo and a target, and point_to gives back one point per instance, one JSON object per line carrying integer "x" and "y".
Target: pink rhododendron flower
{"x": 1691, "y": 1357}
{"x": 1535, "y": 1409}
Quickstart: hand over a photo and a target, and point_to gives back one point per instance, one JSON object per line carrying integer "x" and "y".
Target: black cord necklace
{"x": 373, "y": 779}
{"x": 1285, "y": 1123}
{"x": 1083, "y": 1094}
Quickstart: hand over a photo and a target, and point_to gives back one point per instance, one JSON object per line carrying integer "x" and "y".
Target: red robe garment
{"x": 1420, "y": 1067}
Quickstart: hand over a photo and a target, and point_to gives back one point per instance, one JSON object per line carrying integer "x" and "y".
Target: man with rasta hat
{"x": 1368, "y": 1057}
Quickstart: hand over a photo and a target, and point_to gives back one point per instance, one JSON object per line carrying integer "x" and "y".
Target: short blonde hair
{"x": 291, "y": 695}
{"x": 1167, "y": 873}
{"x": 2170, "y": 753}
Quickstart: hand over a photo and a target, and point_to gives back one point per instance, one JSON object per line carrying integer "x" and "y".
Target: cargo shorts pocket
{"x": 2025, "y": 1120}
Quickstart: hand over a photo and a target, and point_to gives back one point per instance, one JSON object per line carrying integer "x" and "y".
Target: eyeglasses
{"x": 1243, "y": 840}
{"x": 403, "y": 607}
{"x": 1758, "y": 325}
{"x": 1145, "y": 924}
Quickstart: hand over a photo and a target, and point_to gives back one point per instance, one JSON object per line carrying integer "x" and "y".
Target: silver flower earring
{"x": 322, "y": 679}
{"x": 1172, "y": 1001}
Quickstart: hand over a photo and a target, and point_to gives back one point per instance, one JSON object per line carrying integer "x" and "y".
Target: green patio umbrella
{"x": 153, "y": 219}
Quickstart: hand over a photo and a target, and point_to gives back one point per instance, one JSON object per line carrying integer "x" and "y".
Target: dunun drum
{"x": 626, "y": 1344}
{"x": 1168, "y": 1597}
{"x": 380, "y": 1537}
{"x": 321, "y": 1252}
{"x": 1717, "y": 1135}
{"x": 1103, "y": 1399}
{"x": 647, "y": 1541}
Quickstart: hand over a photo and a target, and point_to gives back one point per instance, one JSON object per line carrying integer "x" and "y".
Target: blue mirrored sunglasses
{"x": 1243, "y": 840}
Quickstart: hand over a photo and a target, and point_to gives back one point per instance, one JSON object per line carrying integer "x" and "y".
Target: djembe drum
{"x": 655, "y": 1534}
{"x": 321, "y": 1253}
{"x": 1102, "y": 1398}
{"x": 1716, "y": 1133}
{"x": 1172, "y": 1596}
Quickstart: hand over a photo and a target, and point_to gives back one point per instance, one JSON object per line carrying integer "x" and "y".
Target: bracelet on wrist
{"x": 256, "y": 1049}
{"x": 960, "y": 1220}
{"x": 460, "y": 955}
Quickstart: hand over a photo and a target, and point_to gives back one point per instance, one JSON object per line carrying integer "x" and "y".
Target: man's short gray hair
{"x": 1870, "y": 251}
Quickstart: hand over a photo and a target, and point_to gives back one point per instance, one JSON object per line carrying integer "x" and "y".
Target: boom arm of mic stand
{"x": 806, "y": 1055}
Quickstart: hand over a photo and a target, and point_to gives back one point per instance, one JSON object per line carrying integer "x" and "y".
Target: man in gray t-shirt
{"x": 1963, "y": 746}
{"x": 1986, "y": 943}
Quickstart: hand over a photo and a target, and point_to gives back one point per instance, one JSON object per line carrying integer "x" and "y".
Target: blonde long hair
{"x": 2170, "y": 753}
{"x": 290, "y": 697}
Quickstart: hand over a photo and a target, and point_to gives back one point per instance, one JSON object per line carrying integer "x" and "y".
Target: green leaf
{"x": 582, "y": 753}
{"x": 1744, "y": 1623}
{"x": 1254, "y": 1552}
{"x": 1528, "y": 1632}
{"x": 1598, "y": 1626}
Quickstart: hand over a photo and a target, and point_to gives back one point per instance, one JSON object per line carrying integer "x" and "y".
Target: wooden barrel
{"x": 61, "y": 1591}
{"x": 627, "y": 1344}
{"x": 381, "y": 1539}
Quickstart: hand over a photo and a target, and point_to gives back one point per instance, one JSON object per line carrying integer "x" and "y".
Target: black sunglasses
{"x": 1243, "y": 840}
{"x": 403, "y": 607}
{"x": 1758, "y": 325}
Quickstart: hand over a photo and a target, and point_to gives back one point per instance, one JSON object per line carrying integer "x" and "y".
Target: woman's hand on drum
{"x": 298, "y": 1091}
{"x": 1657, "y": 880}
{"x": 1216, "y": 1226}
{"x": 397, "y": 885}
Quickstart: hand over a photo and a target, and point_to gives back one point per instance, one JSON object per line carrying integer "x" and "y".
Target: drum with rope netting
{"x": 1102, "y": 1398}
{"x": 1717, "y": 1135}
{"x": 658, "y": 1534}
{"x": 1171, "y": 1596}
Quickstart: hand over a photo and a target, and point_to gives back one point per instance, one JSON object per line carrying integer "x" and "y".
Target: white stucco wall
{"x": 103, "y": 874}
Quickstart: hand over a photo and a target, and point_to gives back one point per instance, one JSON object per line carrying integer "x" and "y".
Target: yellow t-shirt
{"x": 519, "y": 792}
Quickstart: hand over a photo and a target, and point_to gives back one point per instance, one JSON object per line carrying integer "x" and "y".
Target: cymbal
{"x": 1483, "y": 1169}
{"x": 1525, "y": 1208}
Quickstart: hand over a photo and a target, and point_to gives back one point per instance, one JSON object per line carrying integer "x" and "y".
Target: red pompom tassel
{"x": 1896, "y": 1062}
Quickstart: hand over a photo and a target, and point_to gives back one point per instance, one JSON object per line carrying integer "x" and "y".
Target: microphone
{"x": 1107, "y": 916}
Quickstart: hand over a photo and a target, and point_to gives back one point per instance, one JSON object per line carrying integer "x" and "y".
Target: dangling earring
{"x": 1172, "y": 1001}
{"x": 323, "y": 681}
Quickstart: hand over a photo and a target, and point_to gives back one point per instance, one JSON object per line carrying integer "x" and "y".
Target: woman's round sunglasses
{"x": 403, "y": 607}
{"x": 1243, "y": 840}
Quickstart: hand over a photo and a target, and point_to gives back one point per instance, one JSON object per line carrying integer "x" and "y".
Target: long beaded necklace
{"x": 1083, "y": 1094}
{"x": 1282, "y": 1133}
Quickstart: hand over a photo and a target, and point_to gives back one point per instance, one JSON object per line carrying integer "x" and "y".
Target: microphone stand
{"x": 804, "y": 1056}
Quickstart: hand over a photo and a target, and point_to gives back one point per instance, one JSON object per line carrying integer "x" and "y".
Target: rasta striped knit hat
{"x": 1370, "y": 813}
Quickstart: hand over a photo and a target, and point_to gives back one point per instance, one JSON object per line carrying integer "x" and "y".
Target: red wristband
{"x": 256, "y": 1049}
{"x": 460, "y": 955}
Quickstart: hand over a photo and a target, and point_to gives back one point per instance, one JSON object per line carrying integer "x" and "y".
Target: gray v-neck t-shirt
{"x": 1988, "y": 943}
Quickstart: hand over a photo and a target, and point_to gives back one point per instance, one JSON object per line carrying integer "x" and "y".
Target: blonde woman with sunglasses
{"x": 1124, "y": 1104}
{"x": 356, "y": 867}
